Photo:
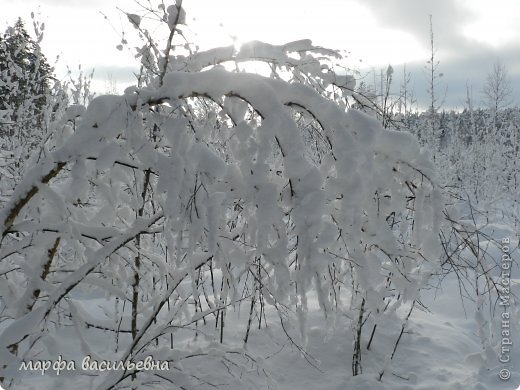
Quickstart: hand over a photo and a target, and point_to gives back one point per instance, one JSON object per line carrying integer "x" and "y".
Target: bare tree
{"x": 497, "y": 91}
{"x": 433, "y": 79}
{"x": 433, "y": 74}
{"x": 407, "y": 96}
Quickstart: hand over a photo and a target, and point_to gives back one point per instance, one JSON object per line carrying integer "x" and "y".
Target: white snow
{"x": 194, "y": 213}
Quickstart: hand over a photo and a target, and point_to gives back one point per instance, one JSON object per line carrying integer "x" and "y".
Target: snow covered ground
{"x": 440, "y": 349}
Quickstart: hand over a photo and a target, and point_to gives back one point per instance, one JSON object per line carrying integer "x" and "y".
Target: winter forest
{"x": 254, "y": 216}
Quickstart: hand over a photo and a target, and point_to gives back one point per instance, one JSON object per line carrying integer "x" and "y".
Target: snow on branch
{"x": 181, "y": 194}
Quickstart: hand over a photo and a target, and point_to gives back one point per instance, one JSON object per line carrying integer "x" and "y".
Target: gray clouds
{"x": 412, "y": 16}
{"x": 470, "y": 69}
{"x": 470, "y": 35}
{"x": 464, "y": 58}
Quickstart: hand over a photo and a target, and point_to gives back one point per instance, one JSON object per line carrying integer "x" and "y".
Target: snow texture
{"x": 175, "y": 207}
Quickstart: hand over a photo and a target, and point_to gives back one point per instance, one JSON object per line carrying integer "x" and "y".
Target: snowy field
{"x": 440, "y": 350}
{"x": 447, "y": 344}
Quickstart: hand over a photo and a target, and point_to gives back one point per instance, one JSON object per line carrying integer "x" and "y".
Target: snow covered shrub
{"x": 203, "y": 191}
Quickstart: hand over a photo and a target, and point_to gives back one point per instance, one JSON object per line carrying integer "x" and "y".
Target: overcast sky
{"x": 470, "y": 35}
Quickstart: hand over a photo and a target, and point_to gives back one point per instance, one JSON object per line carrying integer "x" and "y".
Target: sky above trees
{"x": 470, "y": 35}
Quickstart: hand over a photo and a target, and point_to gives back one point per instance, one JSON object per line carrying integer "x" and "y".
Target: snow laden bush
{"x": 206, "y": 191}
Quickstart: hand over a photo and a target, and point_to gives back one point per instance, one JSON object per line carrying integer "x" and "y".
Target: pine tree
{"x": 24, "y": 82}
